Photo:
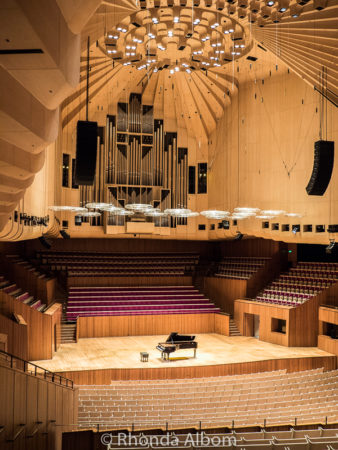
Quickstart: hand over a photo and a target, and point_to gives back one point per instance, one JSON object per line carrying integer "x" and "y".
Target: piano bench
{"x": 144, "y": 356}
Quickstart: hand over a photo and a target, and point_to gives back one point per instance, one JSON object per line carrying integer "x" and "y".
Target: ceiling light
{"x": 139, "y": 207}
{"x": 215, "y": 214}
{"x": 293, "y": 215}
{"x": 67, "y": 208}
{"x": 89, "y": 214}
{"x": 273, "y": 212}
{"x": 95, "y": 205}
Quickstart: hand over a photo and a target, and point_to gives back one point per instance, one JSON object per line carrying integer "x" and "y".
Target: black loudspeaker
{"x": 86, "y": 148}
{"x": 322, "y": 168}
{"x": 44, "y": 242}
{"x": 64, "y": 234}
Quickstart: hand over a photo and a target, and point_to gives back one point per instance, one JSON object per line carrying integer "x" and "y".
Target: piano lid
{"x": 175, "y": 337}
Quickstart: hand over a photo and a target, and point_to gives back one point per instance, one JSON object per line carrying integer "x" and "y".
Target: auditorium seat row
{"x": 297, "y": 285}
{"x": 240, "y": 267}
{"x": 117, "y": 301}
{"x": 19, "y": 294}
{"x": 119, "y": 264}
{"x": 276, "y": 398}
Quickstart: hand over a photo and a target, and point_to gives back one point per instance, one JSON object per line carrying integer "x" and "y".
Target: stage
{"x": 99, "y": 360}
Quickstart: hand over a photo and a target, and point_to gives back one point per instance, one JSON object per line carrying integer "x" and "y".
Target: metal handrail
{"x": 37, "y": 370}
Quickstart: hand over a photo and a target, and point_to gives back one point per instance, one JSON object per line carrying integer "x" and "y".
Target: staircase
{"x": 68, "y": 333}
{"x": 234, "y": 331}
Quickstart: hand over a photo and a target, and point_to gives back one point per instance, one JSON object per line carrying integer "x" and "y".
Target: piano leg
{"x": 194, "y": 353}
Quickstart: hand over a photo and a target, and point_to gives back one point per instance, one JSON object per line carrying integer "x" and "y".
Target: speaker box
{"x": 86, "y": 148}
{"x": 44, "y": 242}
{"x": 64, "y": 234}
{"x": 322, "y": 168}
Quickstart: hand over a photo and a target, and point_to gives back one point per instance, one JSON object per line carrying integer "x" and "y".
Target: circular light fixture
{"x": 139, "y": 207}
{"x": 67, "y": 208}
{"x": 246, "y": 210}
{"x": 155, "y": 213}
{"x": 293, "y": 215}
{"x": 89, "y": 214}
{"x": 272, "y": 212}
{"x": 111, "y": 208}
{"x": 183, "y": 33}
{"x": 265, "y": 217}
{"x": 215, "y": 214}
{"x": 122, "y": 212}
{"x": 98, "y": 205}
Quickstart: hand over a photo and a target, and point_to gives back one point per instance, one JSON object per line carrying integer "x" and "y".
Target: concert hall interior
{"x": 168, "y": 224}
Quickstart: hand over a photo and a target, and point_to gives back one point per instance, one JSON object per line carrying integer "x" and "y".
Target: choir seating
{"x": 84, "y": 264}
{"x": 15, "y": 292}
{"x": 299, "y": 284}
{"x": 114, "y": 301}
{"x": 240, "y": 267}
{"x": 268, "y": 399}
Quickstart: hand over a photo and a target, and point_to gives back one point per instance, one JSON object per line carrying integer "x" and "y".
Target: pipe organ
{"x": 138, "y": 163}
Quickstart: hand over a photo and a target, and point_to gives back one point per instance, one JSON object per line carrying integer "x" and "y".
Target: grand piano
{"x": 175, "y": 342}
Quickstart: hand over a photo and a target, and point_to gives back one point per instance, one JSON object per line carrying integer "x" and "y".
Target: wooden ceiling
{"x": 307, "y": 44}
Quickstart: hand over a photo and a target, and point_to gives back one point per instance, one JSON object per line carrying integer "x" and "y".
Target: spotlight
{"x": 302, "y": 2}
{"x": 241, "y": 13}
{"x": 283, "y": 5}
{"x": 331, "y": 246}
{"x": 260, "y": 22}
{"x": 266, "y": 12}
{"x": 319, "y": 4}
{"x": 231, "y": 9}
{"x": 44, "y": 242}
{"x": 276, "y": 17}
{"x": 238, "y": 236}
{"x": 255, "y": 6}
{"x": 64, "y": 234}
{"x": 270, "y": 2}
{"x": 242, "y": 3}
{"x": 295, "y": 10}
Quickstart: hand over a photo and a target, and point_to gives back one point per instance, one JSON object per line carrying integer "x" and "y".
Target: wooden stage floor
{"x": 213, "y": 349}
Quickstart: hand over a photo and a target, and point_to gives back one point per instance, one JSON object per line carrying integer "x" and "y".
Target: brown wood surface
{"x": 222, "y": 324}
{"x": 105, "y": 376}
{"x": 328, "y": 344}
{"x": 109, "y": 326}
{"x": 26, "y": 399}
{"x": 40, "y": 334}
{"x": 17, "y": 337}
{"x": 224, "y": 291}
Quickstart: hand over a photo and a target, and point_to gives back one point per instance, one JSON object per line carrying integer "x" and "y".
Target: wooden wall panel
{"x": 105, "y": 376}
{"x": 222, "y": 324}
{"x": 130, "y": 281}
{"x": 266, "y": 312}
{"x": 224, "y": 291}
{"x": 301, "y": 322}
{"x": 105, "y": 326}
{"x": 250, "y": 247}
{"x": 27, "y": 399}
{"x": 329, "y": 315}
{"x": 328, "y": 344}
{"x": 40, "y": 328}
{"x": 17, "y": 337}
{"x": 123, "y": 245}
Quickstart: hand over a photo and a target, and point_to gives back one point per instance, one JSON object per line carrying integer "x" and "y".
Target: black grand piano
{"x": 175, "y": 342}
